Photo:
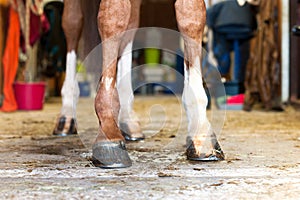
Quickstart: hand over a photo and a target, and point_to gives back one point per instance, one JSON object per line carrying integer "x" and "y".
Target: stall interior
{"x": 234, "y": 35}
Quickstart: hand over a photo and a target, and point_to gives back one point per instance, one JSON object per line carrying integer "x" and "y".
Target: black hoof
{"x": 61, "y": 130}
{"x": 110, "y": 155}
{"x": 216, "y": 155}
{"x": 132, "y": 139}
{"x": 125, "y": 130}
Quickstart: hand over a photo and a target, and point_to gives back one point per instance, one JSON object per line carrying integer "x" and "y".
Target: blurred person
{"x": 233, "y": 23}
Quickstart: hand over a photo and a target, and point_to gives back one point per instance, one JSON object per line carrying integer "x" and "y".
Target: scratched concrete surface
{"x": 262, "y": 156}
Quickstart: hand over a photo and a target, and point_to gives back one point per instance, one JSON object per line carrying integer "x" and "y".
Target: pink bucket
{"x": 29, "y": 96}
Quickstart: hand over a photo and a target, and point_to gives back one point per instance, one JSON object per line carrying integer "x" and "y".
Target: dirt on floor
{"x": 262, "y": 156}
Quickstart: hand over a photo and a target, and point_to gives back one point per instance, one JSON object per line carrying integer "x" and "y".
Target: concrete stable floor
{"x": 262, "y": 156}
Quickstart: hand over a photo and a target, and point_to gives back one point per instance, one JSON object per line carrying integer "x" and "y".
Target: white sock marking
{"x": 124, "y": 85}
{"x": 70, "y": 89}
{"x": 195, "y": 102}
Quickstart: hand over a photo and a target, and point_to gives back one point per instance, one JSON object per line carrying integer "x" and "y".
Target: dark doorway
{"x": 295, "y": 49}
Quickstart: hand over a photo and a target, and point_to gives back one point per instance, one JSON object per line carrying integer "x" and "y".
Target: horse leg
{"x": 72, "y": 23}
{"x": 109, "y": 148}
{"x": 202, "y": 143}
{"x": 128, "y": 121}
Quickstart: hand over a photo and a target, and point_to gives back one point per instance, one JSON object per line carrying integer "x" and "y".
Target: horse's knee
{"x": 113, "y": 17}
{"x": 72, "y": 22}
{"x": 191, "y": 17}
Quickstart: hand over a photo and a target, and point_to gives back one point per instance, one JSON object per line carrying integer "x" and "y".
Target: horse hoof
{"x": 65, "y": 126}
{"x": 216, "y": 155}
{"x": 110, "y": 155}
{"x": 133, "y": 137}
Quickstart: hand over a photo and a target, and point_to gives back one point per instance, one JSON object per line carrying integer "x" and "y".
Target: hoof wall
{"x": 132, "y": 139}
{"x": 128, "y": 137}
{"x": 110, "y": 155}
{"x": 209, "y": 158}
{"x": 217, "y": 154}
{"x": 65, "y": 127}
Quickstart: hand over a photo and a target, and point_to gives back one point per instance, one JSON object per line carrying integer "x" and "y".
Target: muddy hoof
{"x": 110, "y": 155}
{"x": 216, "y": 155}
{"x": 130, "y": 137}
{"x": 65, "y": 126}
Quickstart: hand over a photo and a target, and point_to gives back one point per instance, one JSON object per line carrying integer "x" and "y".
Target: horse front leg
{"x": 109, "y": 148}
{"x": 202, "y": 143}
{"x": 72, "y": 23}
{"x": 128, "y": 121}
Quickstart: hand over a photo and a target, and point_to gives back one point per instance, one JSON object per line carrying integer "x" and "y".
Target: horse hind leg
{"x": 72, "y": 25}
{"x": 202, "y": 144}
{"x": 128, "y": 121}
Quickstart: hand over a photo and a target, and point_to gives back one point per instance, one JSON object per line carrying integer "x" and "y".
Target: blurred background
{"x": 253, "y": 44}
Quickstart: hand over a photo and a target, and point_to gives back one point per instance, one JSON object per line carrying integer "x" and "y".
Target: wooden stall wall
{"x": 294, "y": 48}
